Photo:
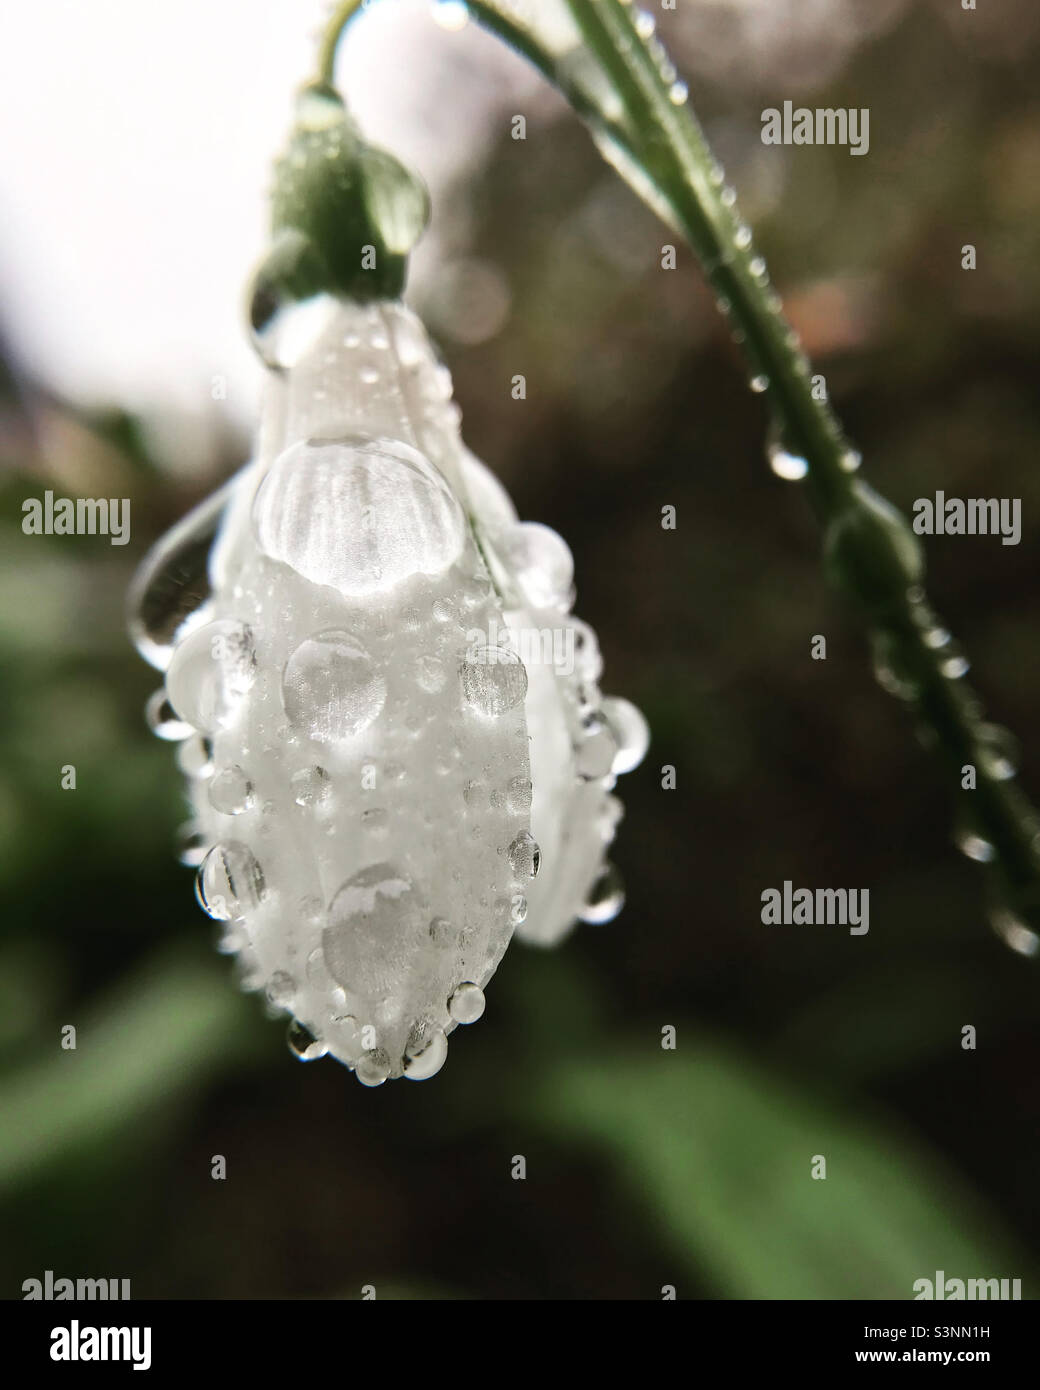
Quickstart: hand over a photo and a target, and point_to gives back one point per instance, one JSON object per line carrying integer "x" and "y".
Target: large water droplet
{"x": 493, "y": 680}
{"x": 172, "y": 584}
{"x": 466, "y": 1004}
{"x": 210, "y": 672}
{"x": 377, "y": 924}
{"x": 605, "y": 898}
{"x": 359, "y": 515}
{"x": 230, "y": 883}
{"x": 331, "y": 688}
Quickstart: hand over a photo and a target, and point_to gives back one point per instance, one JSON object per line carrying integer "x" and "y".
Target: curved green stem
{"x": 333, "y": 32}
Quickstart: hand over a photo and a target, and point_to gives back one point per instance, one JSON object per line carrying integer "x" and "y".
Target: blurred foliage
{"x": 645, "y": 1167}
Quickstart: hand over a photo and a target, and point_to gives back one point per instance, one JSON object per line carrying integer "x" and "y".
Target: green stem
{"x": 334, "y": 28}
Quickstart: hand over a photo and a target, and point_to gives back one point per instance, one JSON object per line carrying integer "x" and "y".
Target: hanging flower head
{"x": 395, "y": 743}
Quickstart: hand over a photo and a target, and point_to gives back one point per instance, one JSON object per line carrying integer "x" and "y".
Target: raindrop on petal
{"x": 466, "y": 1005}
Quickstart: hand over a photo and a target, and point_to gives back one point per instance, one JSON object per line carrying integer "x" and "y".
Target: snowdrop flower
{"x": 396, "y": 749}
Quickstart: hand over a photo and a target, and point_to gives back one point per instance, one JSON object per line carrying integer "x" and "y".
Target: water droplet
{"x": 425, "y": 1054}
{"x": 192, "y": 845}
{"x": 936, "y": 637}
{"x": 195, "y": 757}
{"x": 331, "y": 688}
{"x": 595, "y": 752}
{"x": 231, "y": 791}
{"x": 376, "y": 926}
{"x": 758, "y": 267}
{"x": 631, "y": 733}
{"x": 310, "y": 786}
{"x": 677, "y": 93}
{"x": 357, "y": 514}
{"x": 851, "y": 460}
{"x": 303, "y": 1044}
{"x": 791, "y": 467}
{"x": 998, "y": 752}
{"x": 372, "y": 1067}
{"x": 973, "y": 846}
{"x": 466, "y": 1005}
{"x": 955, "y": 666}
{"x": 210, "y": 672}
{"x": 541, "y": 563}
{"x": 644, "y": 24}
{"x": 493, "y": 680}
{"x": 281, "y": 989}
{"x": 171, "y": 587}
{"x": 519, "y": 792}
{"x": 230, "y": 882}
{"x": 742, "y": 237}
{"x": 1015, "y": 933}
{"x": 759, "y": 384}
{"x": 524, "y": 855}
{"x": 728, "y": 196}
{"x": 605, "y": 898}
{"x": 163, "y": 720}
{"x": 588, "y": 663}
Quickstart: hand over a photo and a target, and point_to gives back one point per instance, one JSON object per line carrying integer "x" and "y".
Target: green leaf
{"x": 165, "y": 1031}
{"x": 721, "y": 1152}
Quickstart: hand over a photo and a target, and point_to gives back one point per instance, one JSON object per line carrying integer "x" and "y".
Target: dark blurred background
{"x": 645, "y": 1167}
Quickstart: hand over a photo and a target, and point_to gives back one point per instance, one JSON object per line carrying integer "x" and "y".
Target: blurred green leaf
{"x": 160, "y": 1034}
{"x": 721, "y": 1151}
